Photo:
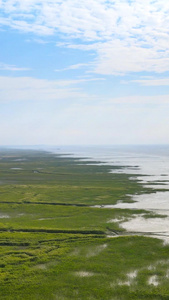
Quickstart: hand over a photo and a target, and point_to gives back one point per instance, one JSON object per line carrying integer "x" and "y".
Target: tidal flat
{"x": 55, "y": 240}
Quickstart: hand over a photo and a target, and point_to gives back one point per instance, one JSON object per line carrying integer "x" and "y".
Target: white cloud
{"x": 37, "y": 90}
{"x": 7, "y": 67}
{"x": 32, "y": 89}
{"x": 158, "y": 100}
{"x": 127, "y": 36}
{"x": 153, "y": 82}
{"x": 73, "y": 67}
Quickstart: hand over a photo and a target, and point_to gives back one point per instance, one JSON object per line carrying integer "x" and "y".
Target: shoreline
{"x": 139, "y": 224}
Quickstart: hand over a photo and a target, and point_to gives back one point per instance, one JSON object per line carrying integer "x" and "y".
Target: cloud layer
{"x": 32, "y": 89}
{"x": 127, "y": 36}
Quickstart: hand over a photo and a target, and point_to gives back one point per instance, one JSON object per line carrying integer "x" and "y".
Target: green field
{"x": 54, "y": 244}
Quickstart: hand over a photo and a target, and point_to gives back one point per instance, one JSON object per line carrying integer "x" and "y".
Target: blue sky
{"x": 84, "y": 72}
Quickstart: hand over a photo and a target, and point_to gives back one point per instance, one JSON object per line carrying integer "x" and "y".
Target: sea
{"x": 149, "y": 162}
{"x": 151, "y": 165}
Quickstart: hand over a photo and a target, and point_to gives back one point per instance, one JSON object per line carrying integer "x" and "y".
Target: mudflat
{"x": 57, "y": 243}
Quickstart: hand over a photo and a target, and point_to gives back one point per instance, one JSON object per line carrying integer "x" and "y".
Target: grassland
{"x": 54, "y": 243}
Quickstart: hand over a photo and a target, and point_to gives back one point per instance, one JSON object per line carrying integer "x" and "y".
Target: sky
{"x": 84, "y": 72}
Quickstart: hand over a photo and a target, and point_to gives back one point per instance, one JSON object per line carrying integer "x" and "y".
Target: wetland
{"x": 59, "y": 238}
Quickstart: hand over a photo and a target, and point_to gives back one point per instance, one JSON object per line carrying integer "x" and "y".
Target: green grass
{"x": 30, "y": 216}
{"x": 54, "y": 244}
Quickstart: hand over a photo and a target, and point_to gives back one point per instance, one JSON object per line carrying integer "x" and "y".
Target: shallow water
{"x": 2, "y": 216}
{"x": 150, "y": 164}
{"x": 150, "y": 161}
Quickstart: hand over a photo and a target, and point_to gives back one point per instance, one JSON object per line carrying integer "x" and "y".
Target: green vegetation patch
{"x": 54, "y": 243}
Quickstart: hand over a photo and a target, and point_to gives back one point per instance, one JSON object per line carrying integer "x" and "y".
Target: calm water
{"x": 150, "y": 161}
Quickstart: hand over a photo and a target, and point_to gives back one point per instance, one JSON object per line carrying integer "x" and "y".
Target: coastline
{"x": 53, "y": 237}
{"x": 152, "y": 202}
